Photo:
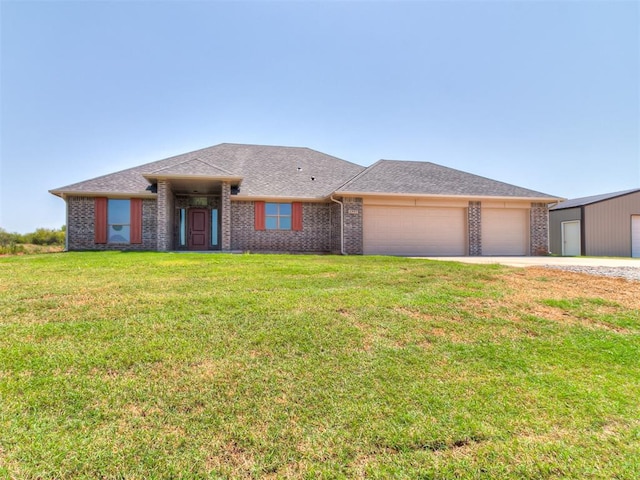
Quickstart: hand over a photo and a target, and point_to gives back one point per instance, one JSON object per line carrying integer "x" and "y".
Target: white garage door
{"x": 635, "y": 236}
{"x": 414, "y": 230}
{"x": 505, "y": 231}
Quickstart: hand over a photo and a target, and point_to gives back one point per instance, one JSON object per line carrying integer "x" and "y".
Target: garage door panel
{"x": 414, "y": 230}
{"x": 505, "y": 231}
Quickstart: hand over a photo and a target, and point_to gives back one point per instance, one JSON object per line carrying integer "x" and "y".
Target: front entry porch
{"x": 194, "y": 215}
{"x": 198, "y": 228}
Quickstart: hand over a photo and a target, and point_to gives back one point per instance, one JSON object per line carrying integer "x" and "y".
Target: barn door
{"x": 571, "y": 238}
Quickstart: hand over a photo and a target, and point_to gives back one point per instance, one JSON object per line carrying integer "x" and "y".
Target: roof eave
{"x": 216, "y": 178}
{"x": 429, "y": 195}
{"x": 81, "y": 193}
{"x": 279, "y": 198}
{"x": 593, "y": 202}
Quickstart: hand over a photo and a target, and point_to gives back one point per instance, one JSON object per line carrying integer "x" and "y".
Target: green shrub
{"x": 11, "y": 249}
{"x": 42, "y": 236}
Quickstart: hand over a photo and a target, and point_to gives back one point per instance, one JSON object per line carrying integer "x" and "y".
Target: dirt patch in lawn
{"x": 530, "y": 289}
{"x": 535, "y": 284}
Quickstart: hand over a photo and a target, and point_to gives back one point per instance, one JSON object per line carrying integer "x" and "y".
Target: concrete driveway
{"x": 547, "y": 261}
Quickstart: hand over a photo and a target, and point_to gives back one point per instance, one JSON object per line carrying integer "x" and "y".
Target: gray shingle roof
{"x": 425, "y": 178}
{"x": 579, "y": 202}
{"x": 266, "y": 171}
{"x": 296, "y": 172}
{"x": 194, "y": 167}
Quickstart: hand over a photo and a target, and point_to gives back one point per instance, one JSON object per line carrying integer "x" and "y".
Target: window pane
{"x": 214, "y": 227}
{"x": 119, "y": 211}
{"x": 119, "y": 234}
{"x": 271, "y": 208}
{"x": 285, "y": 209}
{"x": 198, "y": 201}
{"x": 285, "y": 223}
{"x": 271, "y": 223}
{"x": 183, "y": 227}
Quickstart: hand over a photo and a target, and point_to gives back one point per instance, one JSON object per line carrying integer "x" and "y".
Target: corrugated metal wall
{"x": 556, "y": 217}
{"x": 608, "y": 226}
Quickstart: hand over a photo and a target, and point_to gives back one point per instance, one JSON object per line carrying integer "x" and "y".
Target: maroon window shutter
{"x": 296, "y": 216}
{"x": 100, "y": 218}
{"x": 136, "y": 220}
{"x": 258, "y": 215}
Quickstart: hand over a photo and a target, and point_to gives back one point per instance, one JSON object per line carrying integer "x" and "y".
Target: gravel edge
{"x": 630, "y": 273}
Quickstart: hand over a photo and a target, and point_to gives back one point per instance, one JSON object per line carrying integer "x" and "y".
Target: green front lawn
{"x": 150, "y": 365}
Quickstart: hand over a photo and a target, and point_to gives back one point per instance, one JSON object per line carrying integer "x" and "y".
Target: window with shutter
{"x": 100, "y": 220}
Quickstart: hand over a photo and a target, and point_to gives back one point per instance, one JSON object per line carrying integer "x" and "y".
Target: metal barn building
{"x": 601, "y": 225}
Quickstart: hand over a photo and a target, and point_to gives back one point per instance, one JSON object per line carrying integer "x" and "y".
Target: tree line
{"x": 42, "y": 236}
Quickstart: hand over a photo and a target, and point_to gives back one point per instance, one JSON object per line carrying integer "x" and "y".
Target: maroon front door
{"x": 198, "y": 223}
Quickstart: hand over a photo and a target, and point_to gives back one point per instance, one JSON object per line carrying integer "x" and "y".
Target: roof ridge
{"x": 174, "y": 165}
{"x": 609, "y": 195}
{"x": 187, "y": 161}
{"x": 257, "y": 145}
{"x": 411, "y": 176}
{"x": 213, "y": 165}
{"x": 359, "y": 174}
{"x": 332, "y": 156}
{"x": 591, "y": 199}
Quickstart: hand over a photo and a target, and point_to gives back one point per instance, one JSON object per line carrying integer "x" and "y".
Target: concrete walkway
{"x": 547, "y": 261}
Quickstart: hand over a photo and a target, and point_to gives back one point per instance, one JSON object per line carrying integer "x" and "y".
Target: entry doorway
{"x": 199, "y": 228}
{"x": 571, "y": 239}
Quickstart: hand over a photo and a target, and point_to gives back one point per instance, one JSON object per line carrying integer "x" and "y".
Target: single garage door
{"x": 635, "y": 236}
{"x": 505, "y": 231}
{"x": 414, "y": 230}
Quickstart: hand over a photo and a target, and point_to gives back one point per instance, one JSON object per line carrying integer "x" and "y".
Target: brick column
{"x": 335, "y": 214}
{"x": 539, "y": 229}
{"x": 474, "y": 226}
{"x": 164, "y": 216}
{"x": 353, "y": 226}
{"x": 225, "y": 225}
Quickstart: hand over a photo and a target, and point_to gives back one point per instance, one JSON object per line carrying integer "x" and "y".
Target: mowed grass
{"x": 150, "y": 365}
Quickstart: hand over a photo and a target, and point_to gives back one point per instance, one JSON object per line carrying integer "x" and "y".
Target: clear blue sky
{"x": 542, "y": 94}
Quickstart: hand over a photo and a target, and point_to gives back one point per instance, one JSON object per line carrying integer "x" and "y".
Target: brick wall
{"x": 474, "y": 218}
{"x": 314, "y": 237}
{"x": 353, "y": 226}
{"x": 539, "y": 229}
{"x": 81, "y": 224}
{"x": 336, "y": 233}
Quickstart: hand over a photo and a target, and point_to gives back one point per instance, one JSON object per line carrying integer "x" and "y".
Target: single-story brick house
{"x": 233, "y": 197}
{"x": 601, "y": 225}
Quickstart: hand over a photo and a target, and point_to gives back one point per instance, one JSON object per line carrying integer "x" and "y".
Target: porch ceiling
{"x": 196, "y": 185}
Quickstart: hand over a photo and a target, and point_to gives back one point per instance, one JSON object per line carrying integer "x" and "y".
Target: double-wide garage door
{"x": 435, "y": 231}
{"x": 414, "y": 230}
